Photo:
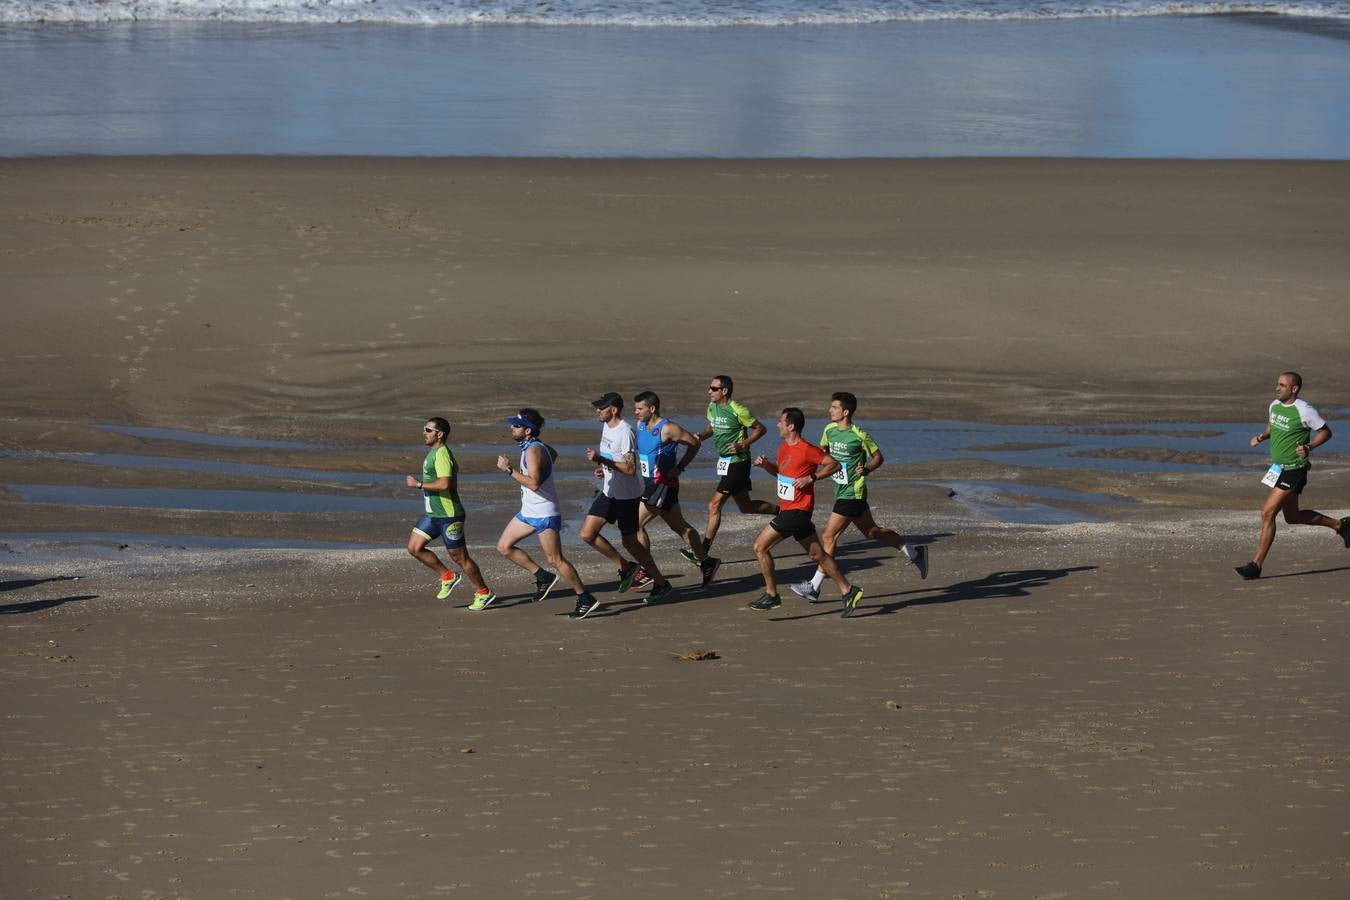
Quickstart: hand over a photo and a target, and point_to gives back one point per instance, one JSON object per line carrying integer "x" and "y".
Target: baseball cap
{"x": 609, "y": 398}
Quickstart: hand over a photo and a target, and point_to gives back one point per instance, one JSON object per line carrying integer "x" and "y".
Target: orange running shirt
{"x": 794, "y": 462}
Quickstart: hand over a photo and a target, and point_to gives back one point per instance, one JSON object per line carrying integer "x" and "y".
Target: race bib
{"x": 787, "y": 488}
{"x": 645, "y": 466}
{"x": 1272, "y": 476}
{"x": 841, "y": 477}
{"x": 724, "y": 464}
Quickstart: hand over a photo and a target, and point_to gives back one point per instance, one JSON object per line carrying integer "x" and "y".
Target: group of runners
{"x": 639, "y": 471}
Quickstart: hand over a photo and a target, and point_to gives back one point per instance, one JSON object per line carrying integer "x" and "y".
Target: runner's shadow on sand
{"x": 31, "y": 606}
{"x": 790, "y": 566}
{"x": 19, "y": 584}
{"x": 1309, "y": 572}
{"x": 995, "y": 586}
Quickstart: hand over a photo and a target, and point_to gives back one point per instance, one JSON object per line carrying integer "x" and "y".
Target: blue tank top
{"x": 656, "y": 459}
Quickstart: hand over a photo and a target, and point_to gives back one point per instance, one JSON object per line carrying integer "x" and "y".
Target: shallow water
{"x": 1179, "y": 447}
{"x": 1022, "y": 504}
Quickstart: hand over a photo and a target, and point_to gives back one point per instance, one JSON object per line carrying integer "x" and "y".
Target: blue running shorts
{"x": 450, "y": 530}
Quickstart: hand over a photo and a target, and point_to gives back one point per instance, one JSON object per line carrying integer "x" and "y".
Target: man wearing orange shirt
{"x": 799, "y": 466}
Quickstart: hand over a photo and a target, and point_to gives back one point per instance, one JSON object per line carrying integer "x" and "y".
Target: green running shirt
{"x": 729, "y": 423}
{"x": 440, "y": 463}
{"x": 1291, "y": 425}
{"x": 851, "y": 447}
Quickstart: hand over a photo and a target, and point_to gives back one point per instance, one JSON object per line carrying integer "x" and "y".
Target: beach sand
{"x": 1083, "y": 710}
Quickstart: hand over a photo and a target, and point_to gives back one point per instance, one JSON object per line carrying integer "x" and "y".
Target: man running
{"x": 800, "y": 464}
{"x": 658, "y": 444}
{"x": 1294, "y": 429}
{"x": 539, "y": 510}
{"x": 733, "y": 429}
{"x": 618, "y": 501}
{"x": 858, "y": 456}
{"x": 443, "y": 516}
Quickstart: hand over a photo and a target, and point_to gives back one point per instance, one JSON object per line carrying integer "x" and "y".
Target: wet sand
{"x": 1081, "y": 710}
{"x": 1097, "y": 709}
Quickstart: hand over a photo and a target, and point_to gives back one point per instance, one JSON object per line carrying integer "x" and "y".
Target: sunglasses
{"x": 716, "y": 387}
{"x": 429, "y": 430}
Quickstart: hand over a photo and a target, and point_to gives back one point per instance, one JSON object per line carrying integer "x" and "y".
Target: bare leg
{"x": 552, "y": 544}
{"x": 515, "y": 532}
{"x": 645, "y": 515}
{"x": 870, "y": 529}
{"x": 759, "y": 507}
{"x": 1295, "y": 516}
{"x": 590, "y": 533}
{"x": 830, "y": 538}
{"x": 674, "y": 517}
{"x": 763, "y": 552}
{"x": 715, "y": 505}
{"x": 644, "y": 558}
{"x": 417, "y": 548}
{"x": 1275, "y": 501}
{"x": 461, "y": 557}
{"x": 826, "y": 563}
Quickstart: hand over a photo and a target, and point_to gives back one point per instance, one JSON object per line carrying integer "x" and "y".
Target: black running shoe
{"x": 709, "y": 567}
{"x": 661, "y": 595}
{"x": 586, "y": 604}
{"x": 642, "y": 580}
{"x": 543, "y": 583}
{"x": 1251, "y": 571}
{"x": 1344, "y": 530}
{"x": 627, "y": 575}
{"x": 765, "y": 602}
{"x": 851, "y": 600}
{"x": 689, "y": 555}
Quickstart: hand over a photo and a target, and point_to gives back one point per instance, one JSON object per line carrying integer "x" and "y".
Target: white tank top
{"x": 543, "y": 503}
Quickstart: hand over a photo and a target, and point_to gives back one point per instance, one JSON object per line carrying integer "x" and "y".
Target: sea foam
{"x": 628, "y": 13}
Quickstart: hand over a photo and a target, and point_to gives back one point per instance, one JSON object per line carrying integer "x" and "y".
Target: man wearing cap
{"x": 618, "y": 502}
{"x": 539, "y": 510}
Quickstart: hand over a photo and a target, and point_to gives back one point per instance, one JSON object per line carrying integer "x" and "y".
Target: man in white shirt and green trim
{"x": 858, "y": 456}
{"x": 1294, "y": 430}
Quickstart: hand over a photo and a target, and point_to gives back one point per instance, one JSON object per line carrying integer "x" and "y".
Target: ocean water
{"x": 676, "y": 78}
{"x": 636, "y": 13}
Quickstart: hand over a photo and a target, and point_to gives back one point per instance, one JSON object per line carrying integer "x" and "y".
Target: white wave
{"x": 632, "y": 13}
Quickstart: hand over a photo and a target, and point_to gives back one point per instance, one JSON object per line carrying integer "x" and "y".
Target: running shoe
{"x": 851, "y": 600}
{"x": 709, "y": 568}
{"x": 1344, "y": 530}
{"x": 662, "y": 594}
{"x": 921, "y": 560}
{"x": 543, "y": 583}
{"x": 1250, "y": 571}
{"x": 448, "y": 582}
{"x": 642, "y": 580}
{"x": 482, "y": 600}
{"x": 586, "y": 604}
{"x": 689, "y": 555}
{"x": 807, "y": 591}
{"x": 765, "y": 602}
{"x": 627, "y": 575}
